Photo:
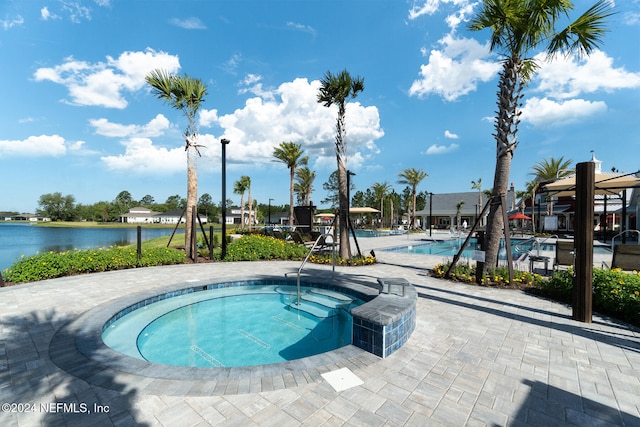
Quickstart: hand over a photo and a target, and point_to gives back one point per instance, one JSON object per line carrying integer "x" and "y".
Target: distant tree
{"x": 184, "y": 94}
{"x": 303, "y": 186}
{"x": 380, "y": 190}
{"x": 477, "y": 185}
{"x": 459, "y": 213}
{"x": 124, "y": 201}
{"x": 551, "y": 169}
{"x": 240, "y": 187}
{"x": 173, "y": 202}
{"x": 291, "y": 154}
{"x": 147, "y": 201}
{"x": 247, "y": 183}
{"x": 205, "y": 204}
{"x": 57, "y": 207}
{"x": 332, "y": 187}
{"x": 358, "y": 199}
{"x": 412, "y": 177}
{"x": 336, "y": 89}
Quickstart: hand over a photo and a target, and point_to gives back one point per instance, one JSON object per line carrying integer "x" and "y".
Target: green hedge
{"x": 49, "y": 265}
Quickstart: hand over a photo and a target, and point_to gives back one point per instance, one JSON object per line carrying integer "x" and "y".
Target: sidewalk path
{"x": 478, "y": 356}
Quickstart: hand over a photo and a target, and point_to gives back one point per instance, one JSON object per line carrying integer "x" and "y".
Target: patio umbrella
{"x": 518, "y": 215}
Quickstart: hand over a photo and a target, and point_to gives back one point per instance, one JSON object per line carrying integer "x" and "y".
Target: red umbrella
{"x": 518, "y": 215}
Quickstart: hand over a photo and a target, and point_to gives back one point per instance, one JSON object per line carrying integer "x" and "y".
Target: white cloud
{"x": 208, "y": 117}
{"x": 45, "y": 15}
{"x": 192, "y": 23}
{"x": 455, "y": 70}
{"x": 141, "y": 156}
{"x": 441, "y": 149}
{"x": 291, "y": 113}
{"x": 34, "y": 146}
{"x": 429, "y": 7}
{"x": 546, "y": 112}
{"x": 567, "y": 77}
{"x": 76, "y": 11}
{"x": 450, "y": 135}
{"x": 10, "y": 23}
{"x": 231, "y": 65}
{"x": 155, "y": 127}
{"x": 103, "y": 83}
{"x": 301, "y": 27}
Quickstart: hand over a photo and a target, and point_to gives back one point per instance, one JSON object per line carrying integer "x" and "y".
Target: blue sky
{"x": 78, "y": 118}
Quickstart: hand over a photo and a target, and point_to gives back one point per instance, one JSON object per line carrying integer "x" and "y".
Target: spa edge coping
{"x": 77, "y": 347}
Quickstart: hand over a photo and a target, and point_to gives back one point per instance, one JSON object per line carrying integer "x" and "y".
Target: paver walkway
{"x": 478, "y": 356}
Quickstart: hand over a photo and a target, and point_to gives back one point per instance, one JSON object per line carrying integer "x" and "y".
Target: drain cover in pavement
{"x": 342, "y": 379}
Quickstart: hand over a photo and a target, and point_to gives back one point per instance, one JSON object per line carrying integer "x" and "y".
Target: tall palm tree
{"x": 412, "y": 177}
{"x": 477, "y": 185}
{"x": 380, "y": 191}
{"x": 551, "y": 169}
{"x": 459, "y": 213}
{"x": 291, "y": 154}
{"x": 247, "y": 183}
{"x": 240, "y": 187}
{"x": 519, "y": 29}
{"x": 185, "y": 94}
{"x": 336, "y": 89}
{"x": 304, "y": 185}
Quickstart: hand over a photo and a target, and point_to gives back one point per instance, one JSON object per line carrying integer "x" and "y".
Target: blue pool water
{"x": 236, "y": 326}
{"x": 451, "y": 247}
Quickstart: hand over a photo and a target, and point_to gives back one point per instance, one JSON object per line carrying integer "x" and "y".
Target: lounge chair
{"x": 626, "y": 257}
{"x": 565, "y": 254}
{"x": 297, "y": 238}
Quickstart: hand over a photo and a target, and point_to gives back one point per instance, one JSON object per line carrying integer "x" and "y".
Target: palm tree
{"x": 530, "y": 191}
{"x": 477, "y": 185}
{"x": 304, "y": 185}
{"x": 184, "y": 94}
{"x": 336, "y": 89}
{"x": 551, "y": 169}
{"x": 247, "y": 183}
{"x": 459, "y": 213}
{"x": 291, "y": 154}
{"x": 239, "y": 187}
{"x": 380, "y": 191}
{"x": 518, "y": 30}
{"x": 412, "y": 177}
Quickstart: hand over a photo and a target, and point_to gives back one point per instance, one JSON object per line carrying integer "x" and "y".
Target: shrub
{"x": 49, "y": 265}
{"x": 498, "y": 276}
{"x": 255, "y": 247}
{"x": 354, "y": 261}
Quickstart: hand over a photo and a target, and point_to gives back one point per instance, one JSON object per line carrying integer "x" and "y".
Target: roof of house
{"x": 446, "y": 203}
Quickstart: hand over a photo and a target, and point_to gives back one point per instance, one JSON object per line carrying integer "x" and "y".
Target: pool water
{"x": 238, "y": 326}
{"x": 452, "y": 246}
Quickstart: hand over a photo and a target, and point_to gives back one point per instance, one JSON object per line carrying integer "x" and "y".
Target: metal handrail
{"x": 536, "y": 242}
{"x": 613, "y": 240}
{"x": 333, "y": 258}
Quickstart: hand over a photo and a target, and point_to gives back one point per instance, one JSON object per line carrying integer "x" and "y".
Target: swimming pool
{"x": 450, "y": 248}
{"x": 244, "y": 324}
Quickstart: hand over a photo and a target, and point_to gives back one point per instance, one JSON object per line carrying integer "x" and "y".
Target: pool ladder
{"x": 320, "y": 241}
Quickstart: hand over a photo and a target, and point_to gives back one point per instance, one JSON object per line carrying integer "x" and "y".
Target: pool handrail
{"x": 536, "y": 241}
{"x": 315, "y": 244}
{"x": 613, "y": 240}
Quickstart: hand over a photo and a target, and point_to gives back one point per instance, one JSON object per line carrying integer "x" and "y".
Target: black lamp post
{"x": 270, "y": 211}
{"x": 224, "y": 143}
{"x": 430, "y": 212}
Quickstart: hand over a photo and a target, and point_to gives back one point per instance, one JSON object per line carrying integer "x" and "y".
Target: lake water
{"x": 17, "y": 239}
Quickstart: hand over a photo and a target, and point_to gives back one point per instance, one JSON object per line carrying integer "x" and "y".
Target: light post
{"x": 270, "y": 211}
{"x": 430, "y": 212}
{"x": 224, "y": 143}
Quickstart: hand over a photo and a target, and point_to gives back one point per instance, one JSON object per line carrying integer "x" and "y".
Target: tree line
{"x": 61, "y": 207}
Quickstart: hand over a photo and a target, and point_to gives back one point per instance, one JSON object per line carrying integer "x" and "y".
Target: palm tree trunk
{"x": 291, "y": 191}
{"x": 343, "y": 214}
{"x": 192, "y": 196}
{"x": 250, "y": 203}
{"x": 510, "y": 87}
{"x": 242, "y": 222}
